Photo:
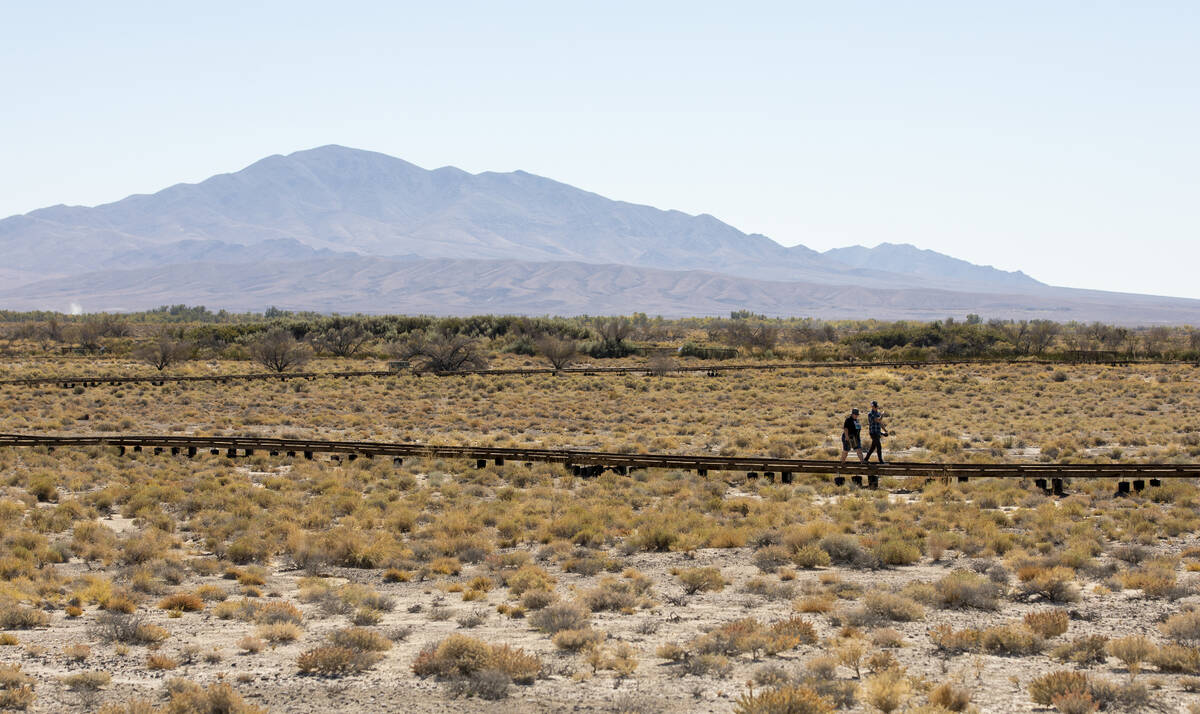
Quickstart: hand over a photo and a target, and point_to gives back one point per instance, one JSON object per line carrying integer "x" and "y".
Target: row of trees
{"x": 562, "y": 340}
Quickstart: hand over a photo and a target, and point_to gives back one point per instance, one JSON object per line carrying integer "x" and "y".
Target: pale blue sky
{"x": 1055, "y": 137}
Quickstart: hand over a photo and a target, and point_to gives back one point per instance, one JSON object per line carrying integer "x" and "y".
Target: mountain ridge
{"x": 284, "y": 216}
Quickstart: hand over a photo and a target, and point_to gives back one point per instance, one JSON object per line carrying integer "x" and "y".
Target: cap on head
{"x": 874, "y": 403}
{"x": 854, "y": 410}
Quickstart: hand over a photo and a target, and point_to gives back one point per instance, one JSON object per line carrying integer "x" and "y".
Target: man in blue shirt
{"x": 876, "y": 430}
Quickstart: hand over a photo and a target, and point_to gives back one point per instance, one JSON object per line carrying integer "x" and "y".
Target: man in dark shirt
{"x": 851, "y": 436}
{"x": 875, "y": 429}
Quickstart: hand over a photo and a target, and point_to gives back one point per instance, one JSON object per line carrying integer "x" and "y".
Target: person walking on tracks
{"x": 875, "y": 428}
{"x": 852, "y": 436}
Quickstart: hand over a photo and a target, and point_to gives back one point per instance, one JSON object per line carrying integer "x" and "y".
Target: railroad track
{"x": 1050, "y": 477}
{"x": 711, "y": 370}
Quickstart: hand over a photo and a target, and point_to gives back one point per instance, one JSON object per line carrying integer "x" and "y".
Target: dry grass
{"x": 99, "y": 551}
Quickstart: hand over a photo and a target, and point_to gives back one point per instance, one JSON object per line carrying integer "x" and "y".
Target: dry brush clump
{"x": 16, "y": 688}
{"x": 485, "y": 670}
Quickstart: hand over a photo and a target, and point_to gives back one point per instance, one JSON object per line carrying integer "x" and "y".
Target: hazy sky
{"x": 1056, "y": 137}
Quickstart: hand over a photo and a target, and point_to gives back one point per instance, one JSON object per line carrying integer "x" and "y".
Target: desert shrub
{"x": 1053, "y": 584}
{"x": 396, "y": 575}
{"x": 749, "y": 635}
{"x": 791, "y": 632}
{"x": 16, "y": 688}
{"x": 521, "y": 666}
{"x": 537, "y": 599}
{"x": 1085, "y": 650}
{"x": 851, "y": 654}
{"x": 334, "y": 661}
{"x": 86, "y": 681}
{"x": 462, "y": 656}
{"x": 360, "y": 639}
{"x": 1183, "y": 627}
{"x": 768, "y": 588}
{"x": 274, "y": 612}
{"x": 1011, "y": 640}
{"x": 279, "y": 632}
{"x": 950, "y": 696}
{"x": 1155, "y": 582}
{"x": 486, "y": 684}
{"x": 887, "y": 691}
{"x": 1132, "y": 554}
{"x": 895, "y": 551}
{"x": 846, "y": 550}
{"x": 890, "y": 606}
{"x": 1074, "y": 702}
{"x": 1043, "y": 689}
{"x": 1047, "y": 623}
{"x": 472, "y": 619}
{"x": 155, "y": 661}
{"x": 620, "y": 658}
{"x": 1132, "y": 651}
{"x": 951, "y": 641}
{"x": 77, "y": 652}
{"x": 654, "y": 538}
{"x": 558, "y": 617}
{"x": 706, "y": 664}
{"x": 127, "y": 628}
{"x": 528, "y": 577}
{"x": 787, "y": 699}
{"x": 1131, "y": 696}
{"x": 887, "y": 638}
{"x": 815, "y": 603}
{"x": 1176, "y": 658}
{"x": 16, "y": 617}
{"x": 212, "y": 593}
{"x": 576, "y": 640}
{"x": 215, "y": 699}
{"x": 964, "y": 589}
{"x": 183, "y": 602}
{"x": 881, "y": 661}
{"x": 811, "y": 556}
{"x": 251, "y": 645}
{"x": 610, "y": 594}
{"x": 702, "y": 580}
{"x": 770, "y": 558}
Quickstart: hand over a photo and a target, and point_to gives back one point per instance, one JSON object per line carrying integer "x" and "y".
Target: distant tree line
{"x": 279, "y": 339}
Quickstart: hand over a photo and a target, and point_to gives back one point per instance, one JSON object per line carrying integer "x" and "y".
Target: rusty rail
{"x": 594, "y": 462}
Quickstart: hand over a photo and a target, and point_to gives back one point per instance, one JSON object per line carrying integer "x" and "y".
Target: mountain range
{"x": 339, "y": 229}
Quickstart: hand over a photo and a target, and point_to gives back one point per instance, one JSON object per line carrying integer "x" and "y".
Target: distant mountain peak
{"x": 909, "y": 259}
